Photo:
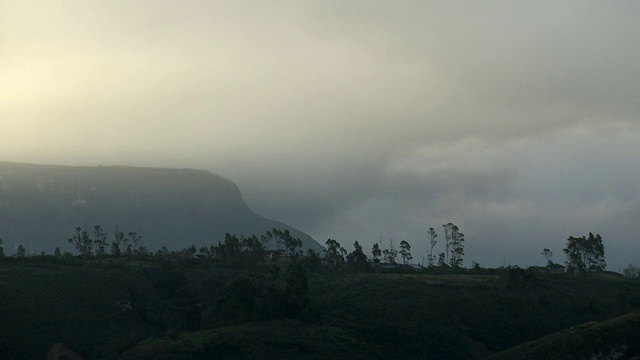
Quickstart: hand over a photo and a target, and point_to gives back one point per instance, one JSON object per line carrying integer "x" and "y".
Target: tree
{"x": 547, "y": 254}
{"x": 357, "y": 259}
{"x": 312, "y": 261}
{"x": 252, "y": 246}
{"x": 585, "y": 254}
{"x": 454, "y": 244}
{"x": 231, "y": 245}
{"x": 100, "y": 240}
{"x": 1, "y": 249}
{"x": 21, "y": 251}
{"x": 136, "y": 240}
{"x": 56, "y": 253}
{"x": 475, "y": 266}
{"x": 280, "y": 242}
{"x": 376, "y": 252}
{"x": 405, "y": 251}
{"x": 391, "y": 254}
{"x": 205, "y": 252}
{"x": 264, "y": 240}
{"x": 442, "y": 260}
{"x": 290, "y": 243}
{"x": 118, "y": 239}
{"x": 82, "y": 242}
{"x": 334, "y": 252}
{"x": 432, "y": 242}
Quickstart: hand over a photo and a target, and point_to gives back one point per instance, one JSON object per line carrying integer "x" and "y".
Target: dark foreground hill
{"x": 41, "y": 205}
{"x": 184, "y": 308}
{"x": 432, "y": 316}
{"x": 616, "y": 338}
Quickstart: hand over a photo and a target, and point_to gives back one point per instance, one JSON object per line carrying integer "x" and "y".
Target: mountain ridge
{"x": 41, "y": 205}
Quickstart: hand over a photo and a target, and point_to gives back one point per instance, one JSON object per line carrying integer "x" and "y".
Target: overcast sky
{"x": 355, "y": 120}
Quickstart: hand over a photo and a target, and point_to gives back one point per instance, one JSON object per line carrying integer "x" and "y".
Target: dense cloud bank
{"x": 352, "y": 120}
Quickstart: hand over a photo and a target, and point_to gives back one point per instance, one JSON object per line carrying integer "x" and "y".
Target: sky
{"x": 355, "y": 120}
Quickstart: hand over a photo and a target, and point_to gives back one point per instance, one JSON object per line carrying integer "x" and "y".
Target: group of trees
{"x": 251, "y": 247}
{"x": 452, "y": 256}
{"x": 454, "y": 247}
{"x": 584, "y": 254}
{"x": 20, "y": 253}
{"x": 336, "y": 257}
{"x": 97, "y": 245}
{"x": 390, "y": 255}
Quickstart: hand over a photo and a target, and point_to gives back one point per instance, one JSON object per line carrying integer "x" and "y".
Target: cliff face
{"x": 41, "y": 205}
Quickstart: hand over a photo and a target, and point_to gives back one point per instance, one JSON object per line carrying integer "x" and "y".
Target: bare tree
{"x": 432, "y": 242}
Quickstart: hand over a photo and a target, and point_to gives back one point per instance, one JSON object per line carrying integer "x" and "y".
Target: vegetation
{"x": 615, "y": 338}
{"x": 454, "y": 243}
{"x": 238, "y": 299}
{"x": 585, "y": 254}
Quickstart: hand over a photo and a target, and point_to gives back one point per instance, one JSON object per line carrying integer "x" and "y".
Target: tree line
{"x": 583, "y": 254}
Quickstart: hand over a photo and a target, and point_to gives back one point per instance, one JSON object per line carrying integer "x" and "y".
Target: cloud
{"x": 352, "y": 120}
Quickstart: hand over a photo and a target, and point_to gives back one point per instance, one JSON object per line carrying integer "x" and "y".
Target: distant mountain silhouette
{"x": 41, "y": 205}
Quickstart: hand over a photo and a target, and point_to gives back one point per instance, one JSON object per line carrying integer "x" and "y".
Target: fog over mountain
{"x": 40, "y": 207}
{"x": 353, "y": 120}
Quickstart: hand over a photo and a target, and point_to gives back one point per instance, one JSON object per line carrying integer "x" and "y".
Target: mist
{"x": 358, "y": 121}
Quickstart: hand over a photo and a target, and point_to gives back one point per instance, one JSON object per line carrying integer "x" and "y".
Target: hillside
{"x": 616, "y": 338}
{"x": 41, "y": 205}
{"x": 419, "y": 316}
{"x": 178, "y": 307}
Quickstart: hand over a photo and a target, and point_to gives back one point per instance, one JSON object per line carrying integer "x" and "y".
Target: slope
{"x": 615, "y": 338}
{"x": 41, "y": 205}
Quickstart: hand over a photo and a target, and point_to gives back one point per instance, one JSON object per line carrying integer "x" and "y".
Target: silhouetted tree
{"x": 21, "y": 251}
{"x": 547, "y": 254}
{"x": 136, "y": 240}
{"x": 100, "y": 240}
{"x": 312, "y": 261}
{"x": 442, "y": 260}
{"x": 252, "y": 247}
{"x": 334, "y": 252}
{"x": 1, "y": 249}
{"x": 405, "y": 251}
{"x": 454, "y": 244}
{"x": 231, "y": 245}
{"x": 56, "y": 253}
{"x": 357, "y": 260}
{"x": 205, "y": 252}
{"x": 432, "y": 243}
{"x": 585, "y": 253}
{"x": 391, "y": 254}
{"x": 118, "y": 239}
{"x": 376, "y": 252}
{"x": 82, "y": 242}
{"x": 221, "y": 251}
